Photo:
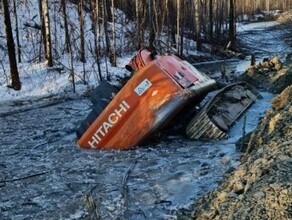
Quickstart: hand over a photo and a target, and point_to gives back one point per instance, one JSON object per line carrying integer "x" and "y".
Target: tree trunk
{"x": 172, "y": 23}
{"x": 138, "y": 24}
{"x": 56, "y": 39}
{"x": 268, "y": 5}
{"x": 15, "y": 82}
{"x": 211, "y": 23}
{"x": 107, "y": 40}
{"x": 198, "y": 24}
{"x": 17, "y": 31}
{"x": 182, "y": 26}
{"x": 151, "y": 24}
{"x": 114, "y": 54}
{"x": 46, "y": 33}
{"x": 155, "y": 23}
{"x": 232, "y": 25}
{"x": 96, "y": 33}
{"x": 177, "y": 25}
{"x": 43, "y": 30}
{"x": 81, "y": 26}
{"x": 67, "y": 37}
{"x": 143, "y": 22}
{"x": 165, "y": 17}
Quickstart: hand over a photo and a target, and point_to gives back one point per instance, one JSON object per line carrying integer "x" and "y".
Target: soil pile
{"x": 270, "y": 74}
{"x": 261, "y": 187}
{"x": 285, "y": 17}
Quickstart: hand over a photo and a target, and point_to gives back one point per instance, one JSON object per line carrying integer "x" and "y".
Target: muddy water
{"x": 44, "y": 175}
{"x": 261, "y": 39}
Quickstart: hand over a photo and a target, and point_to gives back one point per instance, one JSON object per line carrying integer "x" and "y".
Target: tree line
{"x": 119, "y": 26}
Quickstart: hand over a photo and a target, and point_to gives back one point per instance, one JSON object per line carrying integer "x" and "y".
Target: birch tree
{"x": 46, "y": 31}
{"x": 106, "y": 17}
{"x": 96, "y": 34}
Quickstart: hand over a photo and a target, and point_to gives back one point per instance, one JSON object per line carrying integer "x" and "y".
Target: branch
{"x": 32, "y": 25}
{"x": 125, "y": 186}
{"x": 76, "y": 74}
{"x": 25, "y": 177}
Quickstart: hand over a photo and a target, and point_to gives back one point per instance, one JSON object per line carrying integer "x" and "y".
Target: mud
{"x": 270, "y": 74}
{"x": 44, "y": 175}
{"x": 260, "y": 188}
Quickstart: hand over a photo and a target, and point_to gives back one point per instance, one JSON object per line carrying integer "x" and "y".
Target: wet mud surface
{"x": 44, "y": 175}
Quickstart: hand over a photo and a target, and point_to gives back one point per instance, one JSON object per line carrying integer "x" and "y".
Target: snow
{"x": 255, "y": 26}
{"x": 39, "y": 81}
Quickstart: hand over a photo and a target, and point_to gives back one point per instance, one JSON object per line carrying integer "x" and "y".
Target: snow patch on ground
{"x": 241, "y": 27}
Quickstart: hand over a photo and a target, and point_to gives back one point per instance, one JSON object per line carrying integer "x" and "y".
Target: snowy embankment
{"x": 36, "y": 78}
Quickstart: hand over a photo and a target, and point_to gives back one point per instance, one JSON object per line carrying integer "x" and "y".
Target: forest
{"x": 44, "y": 30}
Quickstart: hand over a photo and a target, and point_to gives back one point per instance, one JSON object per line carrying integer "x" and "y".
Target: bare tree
{"x": 49, "y": 55}
{"x": 17, "y": 31}
{"x": 96, "y": 33}
{"x": 138, "y": 23}
{"x": 178, "y": 28}
{"x": 43, "y": 30}
{"x": 151, "y": 22}
{"x": 67, "y": 37}
{"x": 81, "y": 26}
{"x": 211, "y": 24}
{"x": 232, "y": 24}
{"x": 198, "y": 24}
{"x": 46, "y": 31}
{"x": 15, "y": 82}
{"x": 106, "y": 17}
{"x": 165, "y": 14}
{"x": 114, "y": 53}
{"x": 268, "y": 5}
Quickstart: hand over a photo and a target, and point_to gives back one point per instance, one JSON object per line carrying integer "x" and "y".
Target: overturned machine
{"x": 160, "y": 87}
{"x": 217, "y": 116}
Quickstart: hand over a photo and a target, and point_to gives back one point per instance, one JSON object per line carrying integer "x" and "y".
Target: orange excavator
{"x": 161, "y": 85}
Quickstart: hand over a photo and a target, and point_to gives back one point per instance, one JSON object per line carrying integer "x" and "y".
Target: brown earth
{"x": 261, "y": 187}
{"x": 285, "y": 17}
{"x": 271, "y": 74}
